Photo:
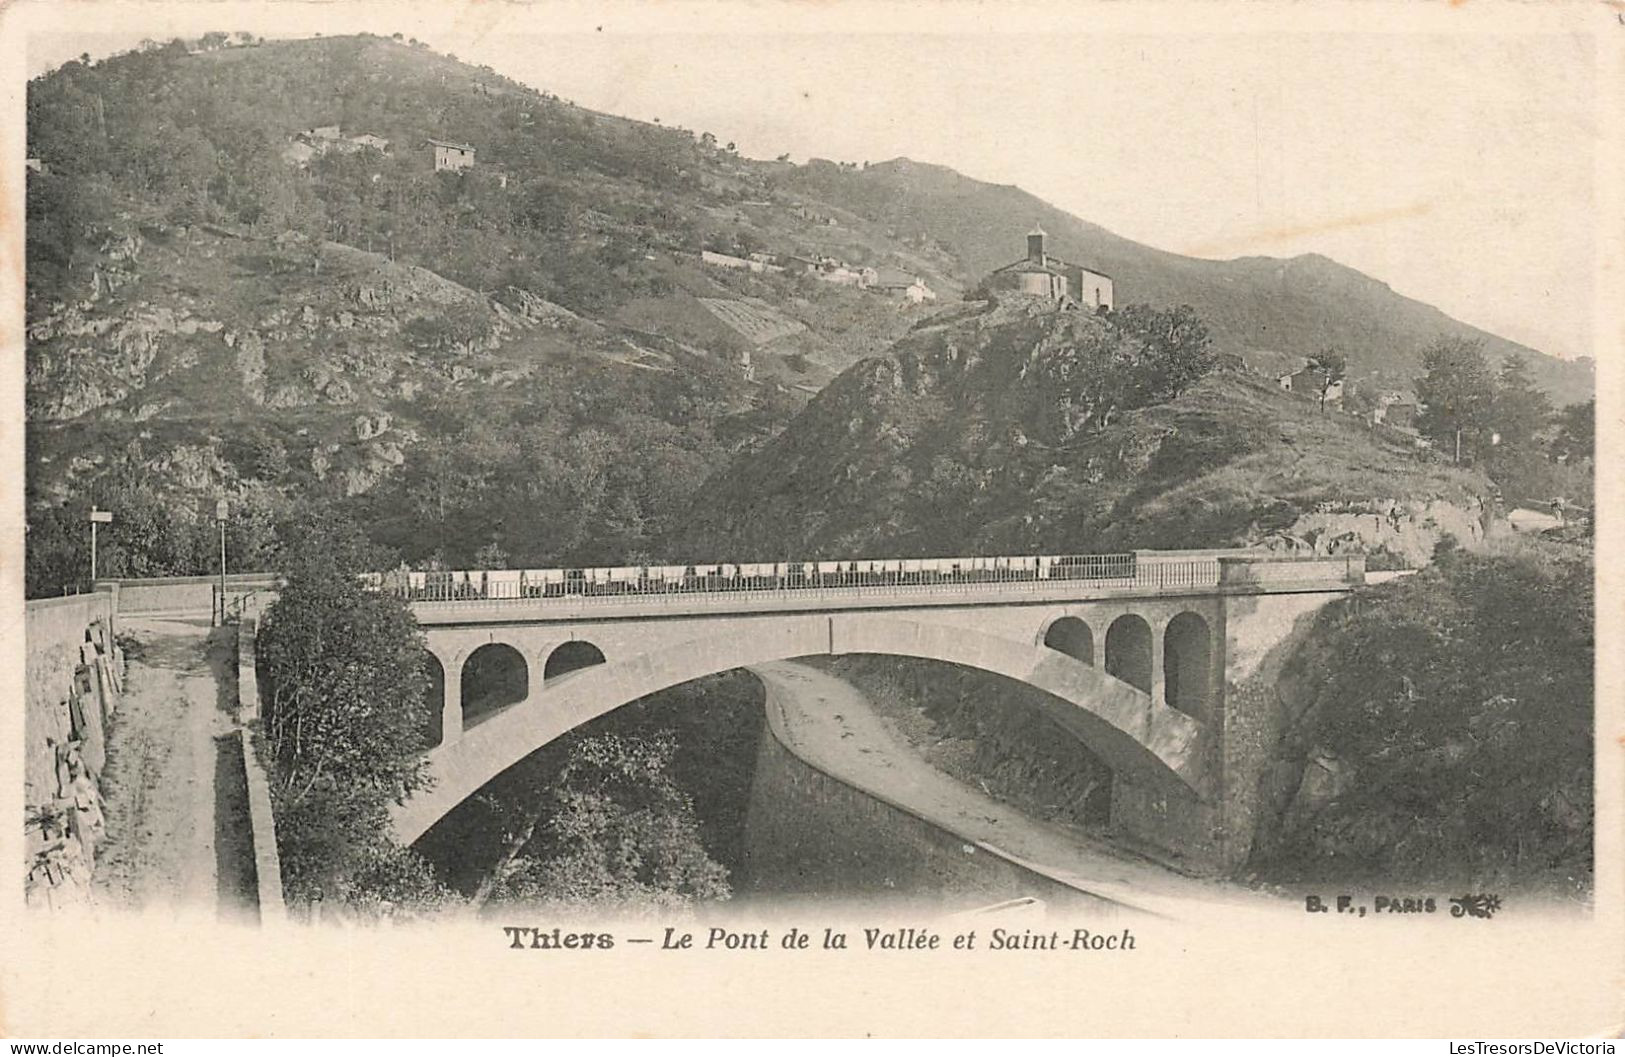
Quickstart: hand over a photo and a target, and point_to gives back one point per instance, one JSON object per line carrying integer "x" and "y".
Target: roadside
{"x": 176, "y": 797}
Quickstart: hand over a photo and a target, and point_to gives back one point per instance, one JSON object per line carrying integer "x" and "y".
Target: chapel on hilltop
{"x": 1040, "y": 275}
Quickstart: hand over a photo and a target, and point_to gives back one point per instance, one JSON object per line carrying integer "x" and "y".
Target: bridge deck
{"x": 500, "y": 601}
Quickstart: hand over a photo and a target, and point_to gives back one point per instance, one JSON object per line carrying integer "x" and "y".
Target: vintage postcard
{"x": 533, "y": 519}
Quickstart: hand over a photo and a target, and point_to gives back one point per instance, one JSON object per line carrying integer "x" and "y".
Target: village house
{"x": 910, "y": 288}
{"x": 312, "y": 142}
{"x": 1040, "y": 275}
{"x": 835, "y": 270}
{"x": 368, "y": 140}
{"x": 451, "y": 157}
{"x": 1306, "y": 381}
{"x": 299, "y": 153}
{"x": 728, "y": 260}
{"x": 1395, "y": 412}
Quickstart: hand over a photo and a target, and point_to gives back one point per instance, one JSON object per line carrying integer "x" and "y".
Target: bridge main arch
{"x": 1119, "y": 721}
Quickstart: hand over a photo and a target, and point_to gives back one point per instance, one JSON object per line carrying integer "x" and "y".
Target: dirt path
{"x": 832, "y": 725}
{"x": 175, "y": 793}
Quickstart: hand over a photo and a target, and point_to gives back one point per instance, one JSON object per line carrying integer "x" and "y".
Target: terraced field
{"x": 757, "y": 321}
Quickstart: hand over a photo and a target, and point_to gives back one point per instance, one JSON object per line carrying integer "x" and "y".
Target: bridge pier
{"x": 1159, "y": 675}
{"x": 451, "y": 705}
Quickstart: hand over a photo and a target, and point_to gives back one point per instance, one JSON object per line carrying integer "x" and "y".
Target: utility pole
{"x": 97, "y": 517}
{"x": 220, "y": 511}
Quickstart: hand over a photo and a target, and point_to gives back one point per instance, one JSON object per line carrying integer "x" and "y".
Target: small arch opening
{"x": 1187, "y": 653}
{"x": 1072, "y": 637}
{"x": 571, "y": 656}
{"x": 1128, "y": 651}
{"x": 434, "y": 701}
{"x": 494, "y": 677}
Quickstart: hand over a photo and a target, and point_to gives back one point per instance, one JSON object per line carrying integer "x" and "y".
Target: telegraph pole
{"x": 220, "y": 511}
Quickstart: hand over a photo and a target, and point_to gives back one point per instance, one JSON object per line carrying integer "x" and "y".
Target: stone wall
{"x": 74, "y": 676}
{"x": 1181, "y": 829}
{"x": 261, "y": 819}
{"x": 262, "y": 826}
{"x": 809, "y": 835}
{"x": 176, "y": 595}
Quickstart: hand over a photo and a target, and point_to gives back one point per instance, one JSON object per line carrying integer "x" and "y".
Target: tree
{"x": 1576, "y": 438}
{"x": 1175, "y": 351}
{"x": 1330, "y": 367}
{"x": 1521, "y": 410}
{"x": 1457, "y": 395}
{"x": 345, "y": 670}
{"x": 345, "y": 715}
{"x": 617, "y": 829}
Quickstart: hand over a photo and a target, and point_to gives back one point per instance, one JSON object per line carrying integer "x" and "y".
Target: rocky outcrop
{"x": 80, "y": 360}
{"x": 1408, "y": 529}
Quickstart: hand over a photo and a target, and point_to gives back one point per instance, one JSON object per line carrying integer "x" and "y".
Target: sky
{"x": 1459, "y": 167}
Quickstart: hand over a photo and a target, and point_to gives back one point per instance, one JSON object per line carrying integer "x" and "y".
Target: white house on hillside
{"x": 451, "y": 157}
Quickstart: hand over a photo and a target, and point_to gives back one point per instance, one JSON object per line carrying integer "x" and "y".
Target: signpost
{"x": 220, "y": 511}
{"x": 97, "y": 517}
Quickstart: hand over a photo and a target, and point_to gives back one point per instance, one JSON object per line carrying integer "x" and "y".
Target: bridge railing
{"x": 657, "y": 583}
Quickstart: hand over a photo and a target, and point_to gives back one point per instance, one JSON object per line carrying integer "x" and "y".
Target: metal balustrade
{"x": 721, "y": 581}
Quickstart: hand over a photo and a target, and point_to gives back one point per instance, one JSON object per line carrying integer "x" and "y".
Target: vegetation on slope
{"x": 1453, "y": 711}
{"x": 1016, "y": 428}
{"x": 643, "y": 807}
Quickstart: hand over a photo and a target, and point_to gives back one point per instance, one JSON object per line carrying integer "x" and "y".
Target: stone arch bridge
{"x": 1137, "y": 667}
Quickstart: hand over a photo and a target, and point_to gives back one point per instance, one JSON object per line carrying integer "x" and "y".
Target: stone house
{"x": 368, "y": 140}
{"x": 1041, "y": 275}
{"x": 1399, "y": 414}
{"x": 910, "y": 288}
{"x": 1306, "y": 382}
{"x": 451, "y": 157}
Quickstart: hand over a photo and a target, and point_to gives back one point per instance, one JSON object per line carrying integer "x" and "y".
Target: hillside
{"x": 991, "y": 429}
{"x": 207, "y": 317}
{"x": 1274, "y": 312}
{"x": 527, "y": 361}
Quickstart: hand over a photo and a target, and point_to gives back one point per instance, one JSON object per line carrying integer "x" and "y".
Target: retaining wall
{"x": 262, "y": 824}
{"x": 176, "y": 595}
{"x": 248, "y": 687}
{"x": 261, "y": 820}
{"x": 808, "y": 834}
{"x": 74, "y": 675}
